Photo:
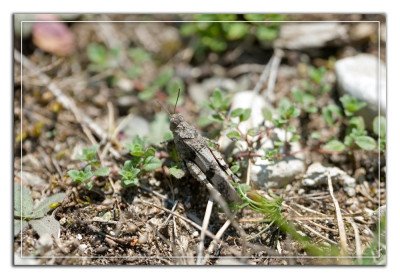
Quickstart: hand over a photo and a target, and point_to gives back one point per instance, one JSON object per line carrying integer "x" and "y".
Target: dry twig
{"x": 342, "y": 231}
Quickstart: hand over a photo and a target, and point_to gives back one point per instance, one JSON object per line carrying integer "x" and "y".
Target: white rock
{"x": 137, "y": 126}
{"x": 125, "y": 84}
{"x": 276, "y": 174}
{"x": 309, "y": 35}
{"x": 317, "y": 175}
{"x": 358, "y": 76}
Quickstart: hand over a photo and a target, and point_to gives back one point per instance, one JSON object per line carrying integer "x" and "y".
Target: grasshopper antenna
{"x": 179, "y": 92}
{"x": 164, "y": 107}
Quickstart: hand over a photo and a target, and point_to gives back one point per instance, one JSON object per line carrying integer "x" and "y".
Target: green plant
{"x": 25, "y": 214}
{"x": 165, "y": 80}
{"x": 84, "y": 176}
{"x": 379, "y": 128}
{"x": 212, "y": 32}
{"x": 375, "y": 254}
{"x": 143, "y": 161}
{"x": 102, "y": 58}
{"x": 356, "y": 134}
{"x": 272, "y": 210}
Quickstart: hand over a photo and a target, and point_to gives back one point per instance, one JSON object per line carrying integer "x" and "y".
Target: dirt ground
{"x": 69, "y": 103}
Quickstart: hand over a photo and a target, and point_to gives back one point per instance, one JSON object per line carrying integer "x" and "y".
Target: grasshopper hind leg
{"x": 223, "y": 165}
{"x": 200, "y": 176}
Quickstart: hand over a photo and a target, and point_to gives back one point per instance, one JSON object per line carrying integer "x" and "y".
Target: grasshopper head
{"x": 175, "y": 120}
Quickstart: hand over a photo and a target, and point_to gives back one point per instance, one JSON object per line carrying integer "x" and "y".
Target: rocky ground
{"x": 89, "y": 83}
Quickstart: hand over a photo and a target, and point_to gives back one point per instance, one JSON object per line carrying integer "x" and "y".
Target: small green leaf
{"x": 151, "y": 163}
{"x": 89, "y": 185}
{"x": 366, "y": 143}
{"x": 102, "y": 172}
{"x": 130, "y": 182}
{"x": 351, "y": 104}
{"x": 291, "y": 129}
{"x": 316, "y": 135}
{"x": 266, "y": 33}
{"x": 278, "y": 143}
{"x": 163, "y": 78}
{"x": 135, "y": 149}
{"x": 23, "y": 202}
{"x": 134, "y": 71}
{"x": 19, "y": 226}
{"x": 329, "y": 112}
{"x": 254, "y": 132}
{"x": 139, "y": 55}
{"x": 379, "y": 126}
{"x": 312, "y": 109}
{"x": 47, "y": 224}
{"x": 236, "y": 30}
{"x": 216, "y": 98}
{"x": 176, "y": 172}
{"x": 216, "y": 118}
{"x": 348, "y": 140}
{"x": 357, "y": 122}
{"x": 334, "y": 145}
{"x": 75, "y": 175}
{"x": 316, "y": 74}
{"x": 245, "y": 115}
{"x": 97, "y": 53}
{"x": 234, "y": 135}
{"x": 151, "y": 151}
{"x": 147, "y": 94}
{"x": 237, "y": 112}
{"x": 45, "y": 205}
{"x": 235, "y": 168}
{"x": 267, "y": 114}
{"x": 88, "y": 154}
{"x": 295, "y": 138}
{"x": 225, "y": 103}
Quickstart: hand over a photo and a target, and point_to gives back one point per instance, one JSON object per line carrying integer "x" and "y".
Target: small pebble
{"x": 79, "y": 236}
{"x": 82, "y": 247}
{"x": 142, "y": 238}
{"x": 46, "y": 241}
{"x": 101, "y": 250}
{"x": 63, "y": 220}
{"x": 132, "y": 228}
{"x": 366, "y": 232}
{"x": 195, "y": 234}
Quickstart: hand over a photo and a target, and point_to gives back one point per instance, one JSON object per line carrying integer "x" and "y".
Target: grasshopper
{"x": 204, "y": 163}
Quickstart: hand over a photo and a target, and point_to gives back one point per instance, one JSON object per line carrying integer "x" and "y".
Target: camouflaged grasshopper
{"x": 204, "y": 163}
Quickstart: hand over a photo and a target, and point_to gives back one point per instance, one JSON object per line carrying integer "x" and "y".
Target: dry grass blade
{"x": 357, "y": 238}
{"x": 207, "y": 232}
{"x": 214, "y": 242}
{"x": 204, "y": 227}
{"x": 276, "y": 60}
{"x": 342, "y": 231}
